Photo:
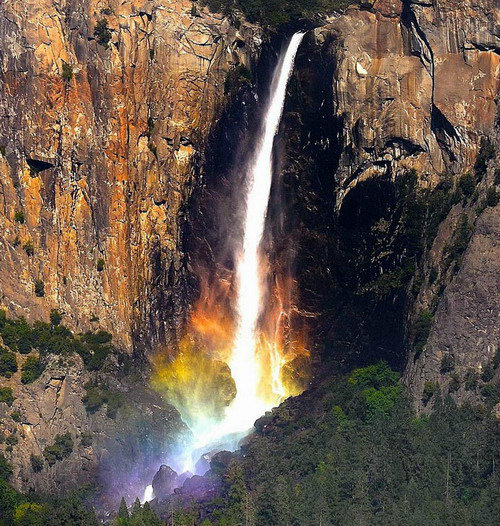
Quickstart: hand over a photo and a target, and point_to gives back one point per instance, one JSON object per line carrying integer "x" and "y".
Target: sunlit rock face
{"x": 103, "y": 129}
{"x": 414, "y": 86}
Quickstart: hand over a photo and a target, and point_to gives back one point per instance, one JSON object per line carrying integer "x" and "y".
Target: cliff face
{"x": 414, "y": 87}
{"x": 106, "y": 107}
{"x": 118, "y": 444}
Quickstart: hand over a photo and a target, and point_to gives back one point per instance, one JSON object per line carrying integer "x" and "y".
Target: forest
{"x": 352, "y": 451}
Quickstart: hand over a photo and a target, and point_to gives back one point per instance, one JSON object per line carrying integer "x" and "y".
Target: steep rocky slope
{"x": 416, "y": 88}
{"x": 106, "y": 107}
{"x": 391, "y": 140}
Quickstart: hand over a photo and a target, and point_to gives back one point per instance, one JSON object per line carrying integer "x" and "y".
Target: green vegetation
{"x": 11, "y": 440}
{"x": 31, "y": 369}
{"x": 29, "y": 248}
{"x": 418, "y": 213}
{"x": 422, "y": 330}
{"x": 59, "y": 450}
{"x": 276, "y": 12}
{"x": 19, "y": 216}
{"x": 138, "y": 516}
{"x": 16, "y": 416}
{"x": 447, "y": 364}
{"x": 467, "y": 184}
{"x": 55, "y": 317}
{"x": 97, "y": 396}
{"x": 5, "y": 469}
{"x": 471, "y": 380}
{"x": 492, "y": 196}
{"x": 100, "y": 265}
{"x": 86, "y": 439}
{"x": 236, "y": 78}
{"x": 102, "y": 33}
{"x": 53, "y": 338}
{"x": 67, "y": 72}
{"x": 486, "y": 153}
{"x": 327, "y": 459}
{"x": 36, "y": 463}
{"x": 8, "y": 362}
{"x": 430, "y": 389}
{"x": 6, "y": 396}
{"x": 18, "y": 510}
{"x": 459, "y": 242}
{"x": 39, "y": 288}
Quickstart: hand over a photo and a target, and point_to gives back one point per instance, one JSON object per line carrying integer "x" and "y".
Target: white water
{"x": 148, "y": 494}
{"x": 248, "y": 405}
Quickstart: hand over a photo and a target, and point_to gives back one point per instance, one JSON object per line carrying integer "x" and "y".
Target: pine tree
{"x": 123, "y": 518}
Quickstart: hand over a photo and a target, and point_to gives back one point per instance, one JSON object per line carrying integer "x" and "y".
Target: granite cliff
{"x": 106, "y": 107}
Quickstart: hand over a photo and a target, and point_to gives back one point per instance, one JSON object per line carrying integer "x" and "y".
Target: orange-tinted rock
{"x": 118, "y": 176}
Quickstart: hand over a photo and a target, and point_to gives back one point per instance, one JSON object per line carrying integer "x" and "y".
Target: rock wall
{"x": 415, "y": 87}
{"x": 105, "y": 109}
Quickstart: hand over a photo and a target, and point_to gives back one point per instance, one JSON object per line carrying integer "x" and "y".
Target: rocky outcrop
{"x": 119, "y": 442}
{"x": 164, "y": 482}
{"x": 105, "y": 110}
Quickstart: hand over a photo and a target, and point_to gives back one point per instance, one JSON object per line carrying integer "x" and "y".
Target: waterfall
{"x": 148, "y": 494}
{"x": 247, "y": 406}
{"x": 258, "y": 381}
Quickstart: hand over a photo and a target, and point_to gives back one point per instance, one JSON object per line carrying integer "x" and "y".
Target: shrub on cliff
{"x": 19, "y": 216}
{"x": 486, "y": 153}
{"x": 422, "y": 330}
{"x": 467, "y": 184}
{"x": 97, "y": 396}
{"x": 492, "y": 196}
{"x": 55, "y": 317}
{"x": 36, "y": 463}
{"x": 67, "y": 72}
{"x": 460, "y": 240}
{"x": 39, "y": 288}
{"x": 60, "y": 449}
{"x": 29, "y": 248}
{"x": 31, "y": 369}
{"x": 5, "y": 469}
{"x": 102, "y": 33}
{"x": 6, "y": 396}
{"x": 19, "y": 335}
{"x": 8, "y": 363}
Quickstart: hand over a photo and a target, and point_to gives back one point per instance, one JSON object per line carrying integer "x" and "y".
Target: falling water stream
{"x": 249, "y": 404}
{"x": 246, "y": 370}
